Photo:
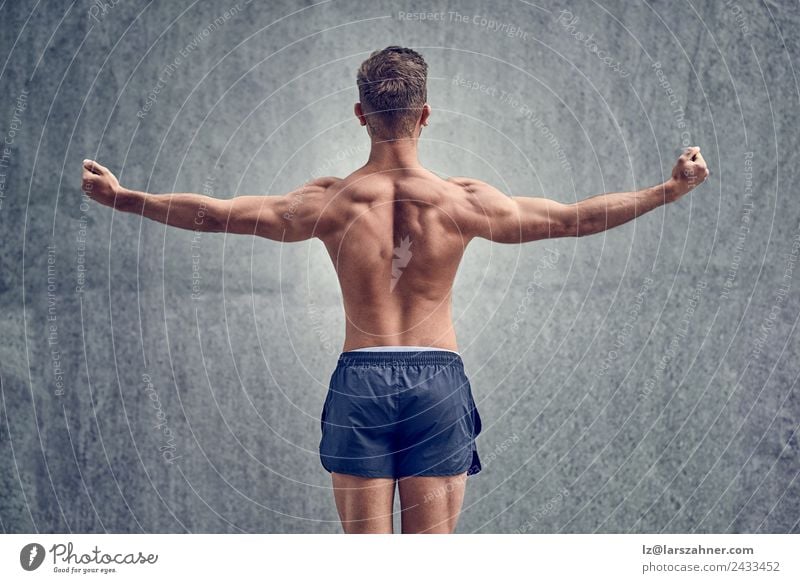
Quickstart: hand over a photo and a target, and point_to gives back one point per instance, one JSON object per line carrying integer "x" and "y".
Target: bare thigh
{"x": 364, "y": 504}
{"x": 431, "y": 504}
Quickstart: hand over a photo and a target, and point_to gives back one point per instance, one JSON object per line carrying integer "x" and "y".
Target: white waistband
{"x": 400, "y": 349}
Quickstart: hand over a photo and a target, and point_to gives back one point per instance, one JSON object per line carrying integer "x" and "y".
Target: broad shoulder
{"x": 477, "y": 191}
{"x": 321, "y": 184}
{"x": 466, "y": 182}
{"x": 474, "y": 186}
{"x": 479, "y": 202}
{"x": 316, "y": 189}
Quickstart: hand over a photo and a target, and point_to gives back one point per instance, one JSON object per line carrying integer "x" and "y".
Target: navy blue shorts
{"x": 398, "y": 414}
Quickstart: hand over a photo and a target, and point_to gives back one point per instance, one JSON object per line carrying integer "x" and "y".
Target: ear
{"x": 426, "y": 112}
{"x": 360, "y": 113}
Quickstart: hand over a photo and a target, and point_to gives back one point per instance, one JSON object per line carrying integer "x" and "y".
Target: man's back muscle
{"x": 396, "y": 244}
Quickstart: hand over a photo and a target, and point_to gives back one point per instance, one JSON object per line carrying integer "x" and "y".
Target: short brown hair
{"x": 392, "y": 86}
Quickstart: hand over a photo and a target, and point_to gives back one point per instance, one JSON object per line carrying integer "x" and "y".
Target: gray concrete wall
{"x": 640, "y": 380}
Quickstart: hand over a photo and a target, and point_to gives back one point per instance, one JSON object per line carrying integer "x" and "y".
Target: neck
{"x": 394, "y": 153}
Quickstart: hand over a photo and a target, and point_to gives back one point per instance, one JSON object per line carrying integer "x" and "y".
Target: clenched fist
{"x": 99, "y": 183}
{"x": 689, "y": 171}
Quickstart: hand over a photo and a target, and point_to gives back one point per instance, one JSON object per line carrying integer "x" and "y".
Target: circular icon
{"x": 31, "y": 556}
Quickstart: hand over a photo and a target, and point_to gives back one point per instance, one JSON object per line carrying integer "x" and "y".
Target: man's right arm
{"x": 490, "y": 214}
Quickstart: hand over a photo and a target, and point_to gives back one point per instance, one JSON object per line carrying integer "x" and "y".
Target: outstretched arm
{"x": 296, "y": 216}
{"x": 492, "y": 215}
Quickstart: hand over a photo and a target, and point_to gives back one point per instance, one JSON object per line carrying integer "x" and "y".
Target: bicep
{"x": 543, "y": 218}
{"x": 288, "y": 217}
{"x": 500, "y": 218}
{"x": 252, "y": 215}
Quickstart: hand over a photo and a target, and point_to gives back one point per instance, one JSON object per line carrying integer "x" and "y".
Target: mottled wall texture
{"x": 644, "y": 379}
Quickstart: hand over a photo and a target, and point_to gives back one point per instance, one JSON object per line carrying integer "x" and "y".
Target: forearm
{"x": 183, "y": 210}
{"x": 605, "y": 211}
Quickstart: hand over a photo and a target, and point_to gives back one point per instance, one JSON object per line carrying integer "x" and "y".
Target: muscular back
{"x": 396, "y": 241}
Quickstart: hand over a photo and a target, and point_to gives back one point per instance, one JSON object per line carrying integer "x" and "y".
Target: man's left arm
{"x": 295, "y": 216}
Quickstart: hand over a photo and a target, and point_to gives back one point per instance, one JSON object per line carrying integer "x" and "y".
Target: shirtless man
{"x": 399, "y": 410}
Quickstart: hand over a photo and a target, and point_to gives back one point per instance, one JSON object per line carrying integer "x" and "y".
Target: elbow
{"x": 568, "y": 228}
{"x": 567, "y": 223}
{"x": 583, "y": 227}
{"x": 211, "y": 217}
{"x": 581, "y": 230}
{"x": 573, "y": 230}
{"x": 208, "y": 223}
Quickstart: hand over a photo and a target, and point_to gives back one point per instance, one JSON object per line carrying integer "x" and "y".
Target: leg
{"x": 365, "y": 504}
{"x": 431, "y": 504}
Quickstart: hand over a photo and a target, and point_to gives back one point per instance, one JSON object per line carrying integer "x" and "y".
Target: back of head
{"x": 392, "y": 85}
